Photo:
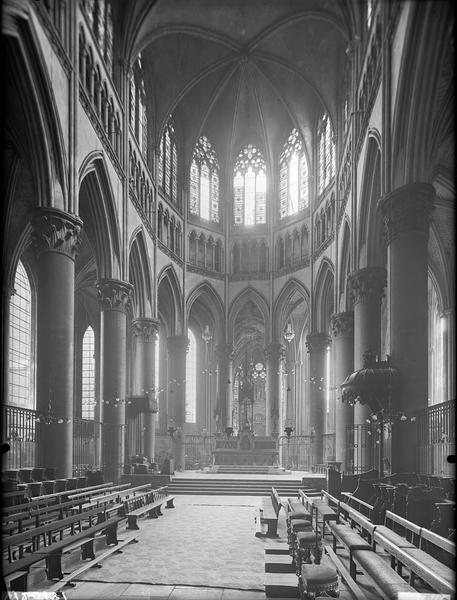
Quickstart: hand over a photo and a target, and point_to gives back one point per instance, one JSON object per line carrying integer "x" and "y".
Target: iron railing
{"x": 436, "y": 439}
{"x": 19, "y": 430}
{"x": 297, "y": 452}
{"x": 86, "y": 445}
{"x": 360, "y": 449}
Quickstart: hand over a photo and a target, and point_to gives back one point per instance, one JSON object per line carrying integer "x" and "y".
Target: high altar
{"x": 246, "y": 449}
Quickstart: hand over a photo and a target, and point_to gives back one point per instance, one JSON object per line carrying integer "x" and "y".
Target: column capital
{"x": 177, "y": 344}
{"x": 317, "y": 342}
{"x": 56, "y": 231}
{"x": 114, "y": 294}
{"x": 407, "y": 208}
{"x": 145, "y": 329}
{"x": 225, "y": 351}
{"x": 342, "y": 324}
{"x": 367, "y": 283}
{"x": 275, "y": 351}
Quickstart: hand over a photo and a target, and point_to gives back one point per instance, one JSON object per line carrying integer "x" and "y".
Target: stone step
{"x": 278, "y": 563}
{"x": 281, "y": 585}
{"x": 276, "y": 547}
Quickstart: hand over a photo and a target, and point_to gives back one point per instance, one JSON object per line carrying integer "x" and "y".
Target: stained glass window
{"x": 191, "y": 379}
{"x": 168, "y": 162}
{"x": 88, "y": 375}
{"x": 20, "y": 341}
{"x": 204, "y": 181}
{"x": 249, "y": 187}
{"x": 326, "y": 147}
{"x": 293, "y": 177}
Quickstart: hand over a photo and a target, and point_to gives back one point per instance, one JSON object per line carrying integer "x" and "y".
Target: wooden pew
{"x": 149, "y": 503}
{"x": 271, "y": 505}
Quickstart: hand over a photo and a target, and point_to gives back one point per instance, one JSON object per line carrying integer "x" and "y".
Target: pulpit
{"x": 246, "y": 449}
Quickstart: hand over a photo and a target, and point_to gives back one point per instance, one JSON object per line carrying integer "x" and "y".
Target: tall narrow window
{"x": 88, "y": 375}
{"x": 204, "y": 181}
{"x": 293, "y": 177}
{"x": 156, "y": 371}
{"x": 191, "y": 379}
{"x": 249, "y": 188}
{"x": 168, "y": 162}
{"x": 326, "y": 147}
{"x": 369, "y": 12}
{"x": 327, "y": 379}
{"x": 436, "y": 364}
{"x": 20, "y": 342}
{"x": 137, "y": 106}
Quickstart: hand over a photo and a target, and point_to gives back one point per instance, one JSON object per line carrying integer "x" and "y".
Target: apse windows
{"x": 293, "y": 177}
{"x": 249, "y": 188}
{"x": 326, "y": 153}
{"x": 168, "y": 162}
{"x": 191, "y": 379}
{"x": 88, "y": 375}
{"x": 20, "y": 341}
{"x": 204, "y": 182}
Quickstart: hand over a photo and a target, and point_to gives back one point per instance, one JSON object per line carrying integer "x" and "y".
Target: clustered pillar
{"x": 225, "y": 356}
{"x": 406, "y": 214}
{"x": 317, "y": 344}
{"x": 56, "y": 239}
{"x": 177, "y": 350}
{"x": 342, "y": 330}
{"x": 114, "y": 296}
{"x": 274, "y": 353}
{"x": 145, "y": 332}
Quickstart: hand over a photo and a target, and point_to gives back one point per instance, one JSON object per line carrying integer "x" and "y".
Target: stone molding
{"x": 177, "y": 344}
{"x": 367, "y": 283}
{"x": 56, "y": 231}
{"x": 342, "y": 324}
{"x": 317, "y": 342}
{"x": 406, "y": 209}
{"x": 145, "y": 329}
{"x": 275, "y": 352}
{"x": 114, "y": 294}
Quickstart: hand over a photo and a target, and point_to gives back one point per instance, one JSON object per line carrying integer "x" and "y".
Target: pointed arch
{"x": 249, "y": 294}
{"x": 292, "y": 294}
{"x": 140, "y": 275}
{"x": 169, "y": 301}
{"x": 99, "y": 214}
{"x": 209, "y": 302}
{"x": 324, "y": 296}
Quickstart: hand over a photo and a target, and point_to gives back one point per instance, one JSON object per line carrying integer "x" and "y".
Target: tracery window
{"x": 204, "y": 182}
{"x": 293, "y": 177}
{"x": 99, "y": 13}
{"x": 20, "y": 366}
{"x": 326, "y": 146}
{"x": 137, "y": 106}
{"x": 191, "y": 379}
{"x": 88, "y": 375}
{"x": 168, "y": 162}
{"x": 437, "y": 368}
{"x": 249, "y": 187}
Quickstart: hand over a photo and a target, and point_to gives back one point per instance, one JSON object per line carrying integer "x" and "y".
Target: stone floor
{"x": 204, "y": 549}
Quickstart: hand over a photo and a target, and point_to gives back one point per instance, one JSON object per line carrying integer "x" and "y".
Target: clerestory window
{"x": 168, "y": 162}
{"x": 204, "y": 182}
{"x": 326, "y": 147}
{"x": 293, "y": 177}
{"x": 88, "y": 375}
{"x": 249, "y": 188}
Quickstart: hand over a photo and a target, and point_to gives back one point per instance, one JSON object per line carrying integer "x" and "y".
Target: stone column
{"x": 317, "y": 344}
{"x": 274, "y": 354}
{"x": 177, "y": 350}
{"x": 114, "y": 297}
{"x": 342, "y": 330}
{"x": 56, "y": 239}
{"x": 406, "y": 213}
{"x": 367, "y": 287}
{"x": 145, "y": 331}
{"x": 225, "y": 357}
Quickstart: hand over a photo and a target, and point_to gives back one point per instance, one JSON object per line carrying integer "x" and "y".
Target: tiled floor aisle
{"x": 204, "y": 549}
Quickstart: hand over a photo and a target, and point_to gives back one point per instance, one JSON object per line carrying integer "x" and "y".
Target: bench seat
{"x": 386, "y": 580}
{"x": 350, "y": 540}
{"x": 383, "y": 534}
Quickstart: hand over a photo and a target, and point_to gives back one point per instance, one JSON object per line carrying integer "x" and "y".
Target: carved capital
{"x": 114, "y": 294}
{"x": 275, "y": 352}
{"x": 342, "y": 324}
{"x": 317, "y": 342}
{"x": 368, "y": 283}
{"x": 145, "y": 330}
{"x": 407, "y": 209}
{"x": 177, "y": 344}
{"x": 56, "y": 231}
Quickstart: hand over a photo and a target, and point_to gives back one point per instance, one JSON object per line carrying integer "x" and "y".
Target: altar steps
{"x": 237, "y": 487}
{"x": 249, "y": 469}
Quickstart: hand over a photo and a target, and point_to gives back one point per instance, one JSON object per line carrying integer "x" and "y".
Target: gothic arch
{"x": 98, "y": 212}
{"x": 140, "y": 275}
{"x": 206, "y": 295}
{"x": 292, "y": 294}
{"x": 323, "y": 296}
{"x": 249, "y": 294}
{"x": 169, "y": 301}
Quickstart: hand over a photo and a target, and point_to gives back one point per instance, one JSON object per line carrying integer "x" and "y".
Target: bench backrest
{"x": 364, "y": 524}
{"x": 275, "y": 500}
{"x": 437, "y": 540}
{"x": 331, "y": 500}
{"x": 402, "y": 526}
{"x": 98, "y": 490}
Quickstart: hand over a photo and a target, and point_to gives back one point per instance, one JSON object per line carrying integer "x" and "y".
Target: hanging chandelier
{"x": 288, "y": 332}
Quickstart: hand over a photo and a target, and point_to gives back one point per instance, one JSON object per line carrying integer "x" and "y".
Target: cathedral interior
{"x": 228, "y": 270}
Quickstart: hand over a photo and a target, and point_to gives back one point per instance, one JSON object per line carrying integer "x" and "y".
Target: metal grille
{"x": 436, "y": 439}
{"x": 297, "y": 453}
{"x": 328, "y": 440}
{"x": 20, "y": 431}
{"x": 360, "y": 455}
{"x": 86, "y": 445}
{"x": 199, "y": 451}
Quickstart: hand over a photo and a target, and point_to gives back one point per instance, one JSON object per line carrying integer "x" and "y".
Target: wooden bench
{"x": 119, "y": 496}
{"x": 320, "y": 507}
{"x": 350, "y": 540}
{"x": 271, "y": 505}
{"x": 66, "y": 534}
{"x": 149, "y": 503}
{"x": 352, "y": 502}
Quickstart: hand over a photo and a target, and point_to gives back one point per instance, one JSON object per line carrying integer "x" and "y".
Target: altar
{"x": 246, "y": 449}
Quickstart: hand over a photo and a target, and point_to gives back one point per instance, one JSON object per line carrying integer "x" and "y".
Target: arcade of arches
{"x": 212, "y": 213}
